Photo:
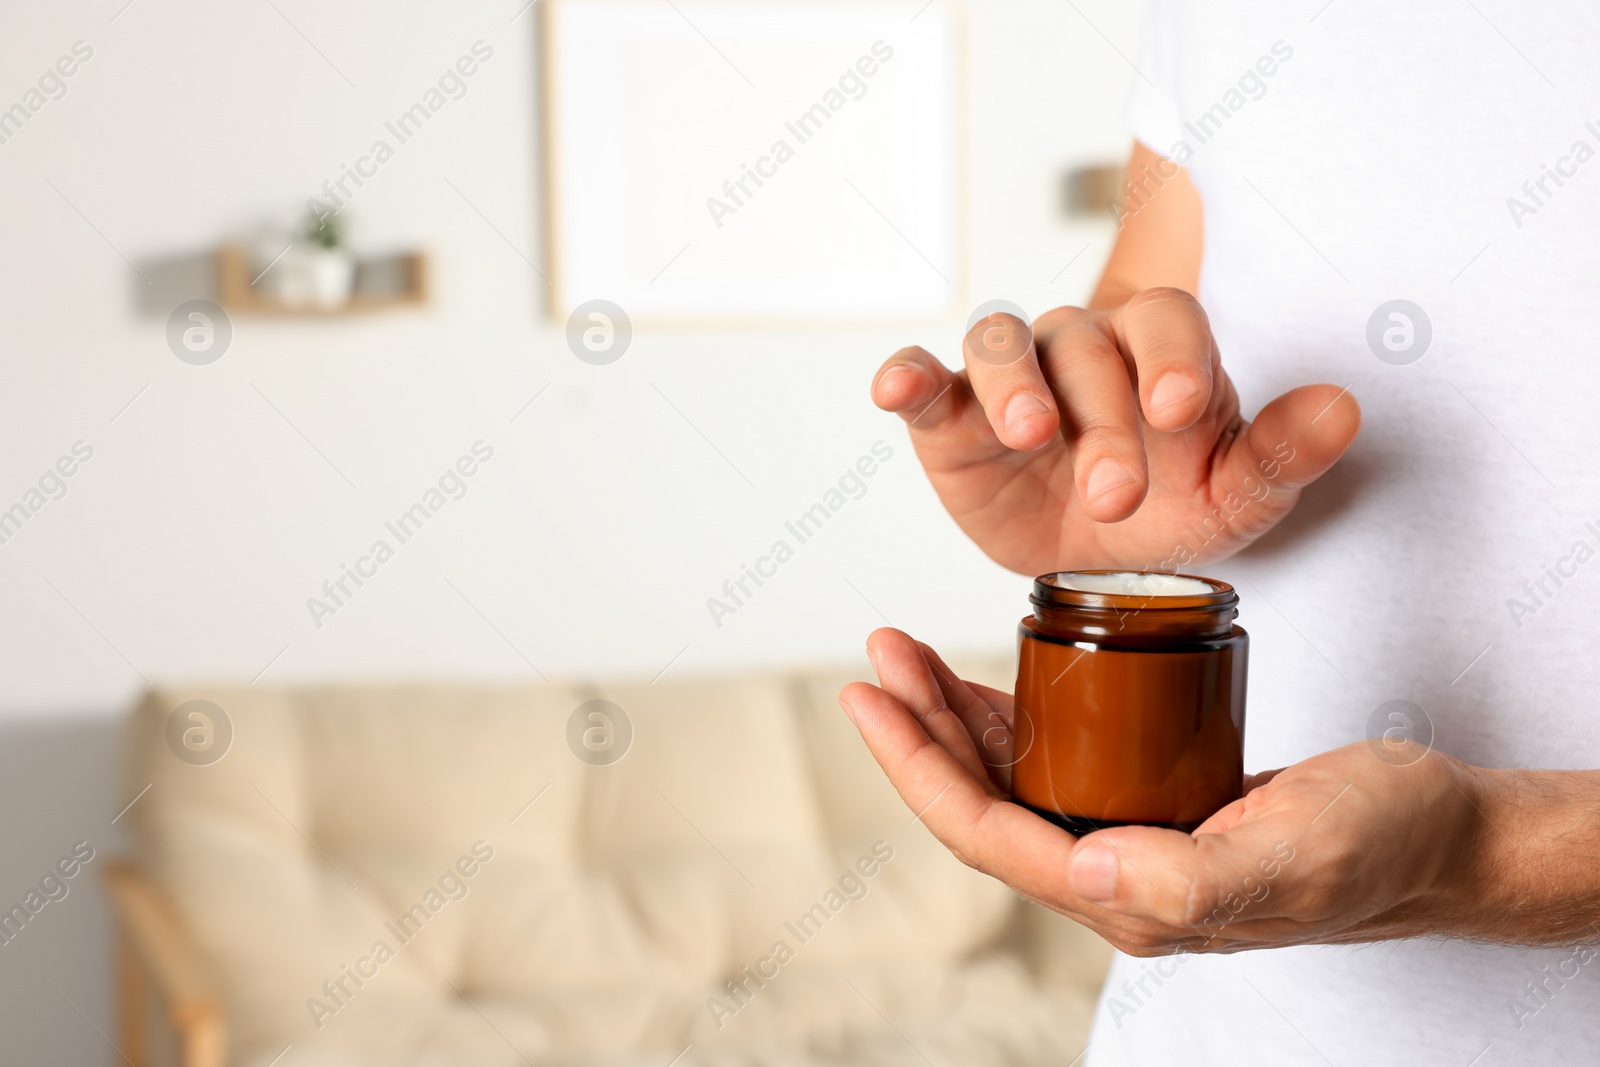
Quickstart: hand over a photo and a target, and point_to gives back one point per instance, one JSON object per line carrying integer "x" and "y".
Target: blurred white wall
{"x": 222, "y": 497}
{"x": 192, "y": 539}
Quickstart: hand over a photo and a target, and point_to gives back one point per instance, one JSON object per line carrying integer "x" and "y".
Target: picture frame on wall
{"x": 722, "y": 162}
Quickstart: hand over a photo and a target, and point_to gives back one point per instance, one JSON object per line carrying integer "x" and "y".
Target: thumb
{"x": 1200, "y": 883}
{"x": 1291, "y": 443}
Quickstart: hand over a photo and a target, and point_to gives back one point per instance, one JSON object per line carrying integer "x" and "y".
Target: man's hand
{"x": 1346, "y": 847}
{"x": 1109, "y": 438}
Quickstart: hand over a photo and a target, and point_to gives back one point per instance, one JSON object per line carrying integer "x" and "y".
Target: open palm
{"x": 1353, "y": 845}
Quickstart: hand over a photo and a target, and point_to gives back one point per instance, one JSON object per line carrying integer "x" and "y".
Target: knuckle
{"x": 975, "y": 827}
{"x": 937, "y": 713}
{"x": 1060, "y": 318}
{"x": 1086, "y": 334}
{"x": 998, "y": 343}
{"x": 1167, "y": 336}
{"x": 1163, "y": 298}
{"x": 1102, "y": 427}
{"x": 1106, "y": 435}
{"x": 1171, "y": 326}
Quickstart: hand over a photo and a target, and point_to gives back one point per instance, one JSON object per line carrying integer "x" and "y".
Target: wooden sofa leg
{"x": 203, "y": 1044}
{"x": 131, "y": 1005}
{"x": 162, "y": 977}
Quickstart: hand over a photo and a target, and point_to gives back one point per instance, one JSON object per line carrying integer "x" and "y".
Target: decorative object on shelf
{"x": 318, "y": 271}
{"x": 316, "y": 274}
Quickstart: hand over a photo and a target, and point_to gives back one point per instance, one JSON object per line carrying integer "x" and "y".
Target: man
{"x": 1403, "y": 202}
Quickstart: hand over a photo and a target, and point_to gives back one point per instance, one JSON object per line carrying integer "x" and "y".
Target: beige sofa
{"x": 432, "y": 875}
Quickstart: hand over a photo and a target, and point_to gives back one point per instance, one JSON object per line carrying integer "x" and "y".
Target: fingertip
{"x": 855, "y": 692}
{"x": 853, "y": 696}
{"x": 1111, "y": 491}
{"x": 886, "y": 640}
{"x": 1028, "y": 422}
{"x": 1307, "y": 430}
{"x": 1338, "y": 414}
{"x": 1174, "y": 402}
{"x": 886, "y": 633}
{"x": 1093, "y": 871}
{"x": 900, "y": 384}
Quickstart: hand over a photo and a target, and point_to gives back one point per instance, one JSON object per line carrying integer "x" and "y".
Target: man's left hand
{"x": 1365, "y": 843}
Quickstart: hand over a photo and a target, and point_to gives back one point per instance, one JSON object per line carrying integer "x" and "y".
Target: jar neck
{"x": 1074, "y": 614}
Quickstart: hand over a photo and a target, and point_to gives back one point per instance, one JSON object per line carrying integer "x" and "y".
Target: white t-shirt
{"x": 1384, "y": 158}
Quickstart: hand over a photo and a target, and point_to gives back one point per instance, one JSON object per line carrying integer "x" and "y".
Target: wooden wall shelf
{"x": 382, "y": 283}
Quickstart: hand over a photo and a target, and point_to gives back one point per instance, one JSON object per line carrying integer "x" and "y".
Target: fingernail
{"x": 1170, "y": 390}
{"x": 1107, "y": 475}
{"x": 849, "y": 709}
{"x": 1022, "y": 406}
{"x": 1094, "y": 873}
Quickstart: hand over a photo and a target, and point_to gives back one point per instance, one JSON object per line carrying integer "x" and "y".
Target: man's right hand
{"x": 1109, "y": 438}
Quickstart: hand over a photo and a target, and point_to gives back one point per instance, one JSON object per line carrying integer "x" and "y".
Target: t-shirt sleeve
{"x": 1153, "y": 115}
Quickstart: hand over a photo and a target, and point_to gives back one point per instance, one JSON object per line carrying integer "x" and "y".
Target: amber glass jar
{"x": 1129, "y": 700}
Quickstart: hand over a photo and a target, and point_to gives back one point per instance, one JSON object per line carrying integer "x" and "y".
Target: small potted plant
{"x": 330, "y": 267}
{"x": 318, "y": 271}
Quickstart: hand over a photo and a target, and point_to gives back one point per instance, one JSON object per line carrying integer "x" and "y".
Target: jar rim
{"x": 1047, "y": 594}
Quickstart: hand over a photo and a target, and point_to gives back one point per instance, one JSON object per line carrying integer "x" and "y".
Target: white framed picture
{"x": 720, "y": 161}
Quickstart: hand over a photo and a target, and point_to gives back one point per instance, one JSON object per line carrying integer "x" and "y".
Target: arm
{"x": 1534, "y": 875}
{"x": 1160, "y": 245}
